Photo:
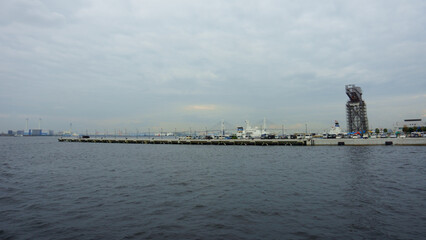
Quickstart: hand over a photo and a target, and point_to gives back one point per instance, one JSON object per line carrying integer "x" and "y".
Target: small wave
{"x": 217, "y": 226}
{"x": 136, "y": 235}
{"x": 179, "y": 184}
{"x": 199, "y": 206}
{"x": 6, "y": 236}
{"x": 305, "y": 235}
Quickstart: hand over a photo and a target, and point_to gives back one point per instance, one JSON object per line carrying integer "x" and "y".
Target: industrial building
{"x": 35, "y": 132}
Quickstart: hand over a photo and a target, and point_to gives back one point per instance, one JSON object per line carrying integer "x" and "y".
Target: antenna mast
{"x": 264, "y": 125}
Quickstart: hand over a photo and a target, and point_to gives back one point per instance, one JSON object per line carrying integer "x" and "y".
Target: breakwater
{"x": 261, "y": 142}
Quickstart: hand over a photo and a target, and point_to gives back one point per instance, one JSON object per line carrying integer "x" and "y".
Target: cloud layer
{"x": 135, "y": 64}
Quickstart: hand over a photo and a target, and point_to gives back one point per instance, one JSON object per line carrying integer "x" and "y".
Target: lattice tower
{"x": 356, "y": 110}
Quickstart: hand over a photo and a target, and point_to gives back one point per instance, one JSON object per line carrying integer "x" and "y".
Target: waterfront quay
{"x": 261, "y": 142}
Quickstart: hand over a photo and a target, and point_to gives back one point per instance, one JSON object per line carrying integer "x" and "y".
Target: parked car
{"x": 331, "y": 136}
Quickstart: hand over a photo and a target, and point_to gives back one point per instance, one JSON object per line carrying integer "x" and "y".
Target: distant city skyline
{"x": 214, "y": 129}
{"x": 187, "y": 64}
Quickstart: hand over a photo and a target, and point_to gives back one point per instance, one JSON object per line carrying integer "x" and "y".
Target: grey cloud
{"x": 108, "y": 59}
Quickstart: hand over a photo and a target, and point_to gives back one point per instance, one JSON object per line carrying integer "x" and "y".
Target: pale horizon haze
{"x": 104, "y": 65}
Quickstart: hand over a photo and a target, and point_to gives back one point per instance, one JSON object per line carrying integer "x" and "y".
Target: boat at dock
{"x": 335, "y": 131}
{"x": 251, "y": 132}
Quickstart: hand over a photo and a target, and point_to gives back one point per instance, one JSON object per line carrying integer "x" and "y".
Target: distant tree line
{"x": 405, "y": 129}
{"x": 378, "y": 130}
{"x": 411, "y": 129}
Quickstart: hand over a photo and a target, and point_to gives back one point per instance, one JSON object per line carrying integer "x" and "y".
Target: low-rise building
{"x": 414, "y": 123}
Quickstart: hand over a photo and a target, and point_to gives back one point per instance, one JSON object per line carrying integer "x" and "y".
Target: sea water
{"x": 60, "y": 190}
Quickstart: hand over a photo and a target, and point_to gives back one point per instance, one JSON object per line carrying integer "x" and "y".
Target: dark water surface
{"x": 52, "y": 190}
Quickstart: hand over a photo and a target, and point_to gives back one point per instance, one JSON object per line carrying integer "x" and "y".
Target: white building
{"x": 410, "y": 123}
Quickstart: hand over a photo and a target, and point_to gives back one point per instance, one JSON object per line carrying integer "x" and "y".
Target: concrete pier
{"x": 370, "y": 142}
{"x": 259, "y": 142}
{"x": 262, "y": 142}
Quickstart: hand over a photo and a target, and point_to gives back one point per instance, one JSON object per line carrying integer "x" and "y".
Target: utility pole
{"x": 26, "y": 126}
{"x": 264, "y": 125}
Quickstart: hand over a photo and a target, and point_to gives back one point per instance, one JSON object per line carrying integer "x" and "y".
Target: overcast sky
{"x": 185, "y": 63}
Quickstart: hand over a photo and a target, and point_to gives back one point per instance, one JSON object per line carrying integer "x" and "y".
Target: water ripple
{"x": 95, "y": 191}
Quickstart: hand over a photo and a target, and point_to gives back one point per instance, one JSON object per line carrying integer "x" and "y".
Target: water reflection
{"x": 362, "y": 196}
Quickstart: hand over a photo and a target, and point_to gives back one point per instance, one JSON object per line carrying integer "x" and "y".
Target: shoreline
{"x": 261, "y": 142}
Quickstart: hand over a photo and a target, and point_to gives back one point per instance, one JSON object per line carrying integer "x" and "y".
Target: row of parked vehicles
{"x": 314, "y": 135}
{"x": 355, "y": 136}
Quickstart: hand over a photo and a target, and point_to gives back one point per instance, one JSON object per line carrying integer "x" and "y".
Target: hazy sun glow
{"x": 201, "y": 108}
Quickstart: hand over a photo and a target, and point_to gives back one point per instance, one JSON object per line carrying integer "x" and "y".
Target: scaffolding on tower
{"x": 356, "y": 110}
